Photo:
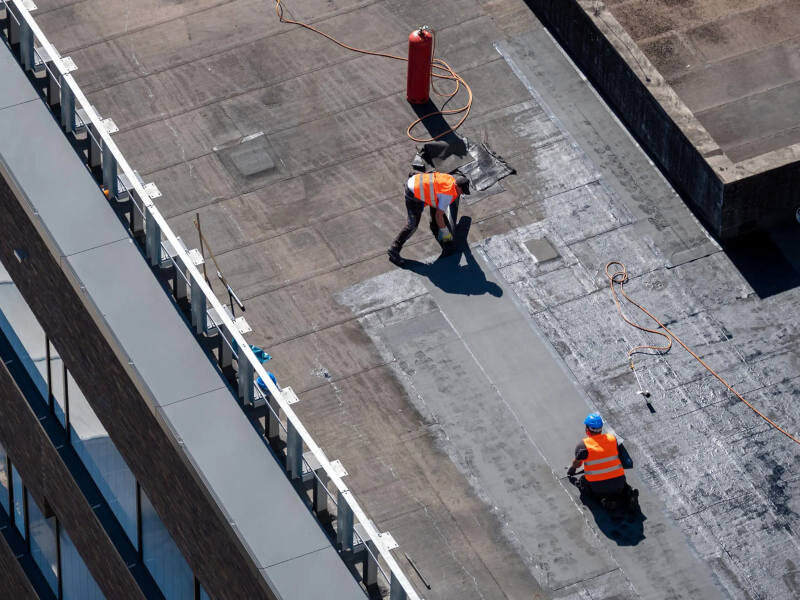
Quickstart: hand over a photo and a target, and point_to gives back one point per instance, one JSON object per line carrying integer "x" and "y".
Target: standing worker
{"x": 603, "y": 473}
{"x": 438, "y": 191}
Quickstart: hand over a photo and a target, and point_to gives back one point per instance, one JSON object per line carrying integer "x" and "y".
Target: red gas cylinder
{"x": 420, "y": 56}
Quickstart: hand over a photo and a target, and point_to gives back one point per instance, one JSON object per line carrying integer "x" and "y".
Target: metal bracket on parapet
{"x": 152, "y": 190}
{"x": 289, "y": 396}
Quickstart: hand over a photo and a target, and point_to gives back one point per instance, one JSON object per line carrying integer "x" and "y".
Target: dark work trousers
{"x": 607, "y": 487}
{"x": 415, "y": 208}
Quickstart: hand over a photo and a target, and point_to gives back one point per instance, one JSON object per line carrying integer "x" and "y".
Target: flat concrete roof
{"x": 736, "y": 65}
{"x": 454, "y": 409}
{"x": 167, "y": 363}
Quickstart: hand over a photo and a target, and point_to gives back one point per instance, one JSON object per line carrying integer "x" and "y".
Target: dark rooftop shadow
{"x": 436, "y": 124}
{"x": 624, "y": 528}
{"x": 762, "y": 259}
{"x": 449, "y": 275}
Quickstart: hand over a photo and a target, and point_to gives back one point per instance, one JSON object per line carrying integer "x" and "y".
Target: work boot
{"x": 395, "y": 258}
{"x": 633, "y": 501}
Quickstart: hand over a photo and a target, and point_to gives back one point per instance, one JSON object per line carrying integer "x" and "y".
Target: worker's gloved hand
{"x": 445, "y": 236}
{"x": 571, "y": 471}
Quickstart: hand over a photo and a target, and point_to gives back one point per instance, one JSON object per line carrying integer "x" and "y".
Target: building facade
{"x": 128, "y": 467}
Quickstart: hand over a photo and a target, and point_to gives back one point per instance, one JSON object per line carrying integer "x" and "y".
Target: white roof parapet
{"x": 382, "y": 543}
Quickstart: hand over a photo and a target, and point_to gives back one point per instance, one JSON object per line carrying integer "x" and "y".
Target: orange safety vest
{"x": 427, "y": 185}
{"x": 602, "y": 462}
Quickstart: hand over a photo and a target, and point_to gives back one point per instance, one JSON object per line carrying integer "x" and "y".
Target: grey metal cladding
{"x": 298, "y": 578}
{"x": 45, "y": 169}
{"x": 14, "y": 87}
{"x": 249, "y": 483}
{"x": 144, "y": 322}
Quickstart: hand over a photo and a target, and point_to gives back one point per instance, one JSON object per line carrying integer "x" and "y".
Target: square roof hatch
{"x": 249, "y": 158}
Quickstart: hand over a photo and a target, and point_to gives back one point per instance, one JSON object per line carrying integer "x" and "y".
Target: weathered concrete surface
{"x": 708, "y": 87}
{"x": 186, "y": 82}
{"x": 734, "y": 64}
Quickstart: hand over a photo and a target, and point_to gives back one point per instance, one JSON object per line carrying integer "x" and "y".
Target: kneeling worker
{"x": 603, "y": 474}
{"x": 436, "y": 190}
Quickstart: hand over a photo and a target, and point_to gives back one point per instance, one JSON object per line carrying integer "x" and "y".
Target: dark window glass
{"x": 23, "y": 331}
{"x": 19, "y": 500}
{"x": 76, "y": 581}
{"x": 162, "y": 557}
{"x": 102, "y": 459}
{"x": 57, "y": 385}
{"x": 3, "y": 479}
{"x": 43, "y": 543}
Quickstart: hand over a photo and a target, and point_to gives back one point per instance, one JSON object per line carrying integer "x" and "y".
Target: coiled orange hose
{"x": 445, "y": 72}
{"x": 617, "y": 279}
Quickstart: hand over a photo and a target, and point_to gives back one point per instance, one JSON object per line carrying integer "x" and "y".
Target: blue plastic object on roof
{"x": 261, "y": 355}
{"x": 263, "y": 386}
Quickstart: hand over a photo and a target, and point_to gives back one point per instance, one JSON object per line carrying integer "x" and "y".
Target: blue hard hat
{"x": 594, "y": 422}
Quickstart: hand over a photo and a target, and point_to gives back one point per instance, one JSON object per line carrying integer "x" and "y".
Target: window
{"x": 102, "y": 459}
{"x": 18, "y": 496}
{"x": 4, "y": 479}
{"x": 44, "y": 548}
{"x": 203, "y": 594}
{"x": 162, "y": 557}
{"x": 76, "y": 581}
{"x": 57, "y": 389}
{"x": 23, "y": 331}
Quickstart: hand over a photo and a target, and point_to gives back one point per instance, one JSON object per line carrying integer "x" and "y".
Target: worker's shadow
{"x": 449, "y": 275}
{"x": 624, "y": 528}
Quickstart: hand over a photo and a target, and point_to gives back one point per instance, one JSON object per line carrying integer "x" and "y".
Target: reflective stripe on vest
{"x": 428, "y": 185}
{"x": 603, "y": 462}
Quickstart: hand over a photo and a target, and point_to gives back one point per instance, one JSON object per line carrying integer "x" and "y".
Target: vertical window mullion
{"x": 66, "y": 402}
{"x": 139, "y": 544}
{"x": 10, "y": 489}
{"x": 50, "y": 396}
{"x": 196, "y": 589}
{"x": 25, "y": 517}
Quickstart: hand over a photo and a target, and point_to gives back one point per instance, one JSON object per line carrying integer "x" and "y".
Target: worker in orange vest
{"x": 598, "y": 452}
{"x": 437, "y": 191}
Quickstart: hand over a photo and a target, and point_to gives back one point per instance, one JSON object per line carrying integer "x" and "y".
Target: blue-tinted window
{"x": 57, "y": 385}
{"x": 3, "y": 479}
{"x": 19, "y": 502}
{"x": 203, "y": 594}
{"x": 23, "y": 331}
{"x": 43, "y": 543}
{"x": 162, "y": 557}
{"x": 76, "y": 581}
{"x": 102, "y": 459}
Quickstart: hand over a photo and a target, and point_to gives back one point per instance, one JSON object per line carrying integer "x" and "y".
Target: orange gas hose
{"x": 617, "y": 278}
{"x": 445, "y": 72}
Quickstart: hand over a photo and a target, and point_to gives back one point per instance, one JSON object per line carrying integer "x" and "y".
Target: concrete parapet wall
{"x": 730, "y": 198}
